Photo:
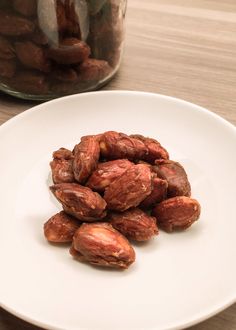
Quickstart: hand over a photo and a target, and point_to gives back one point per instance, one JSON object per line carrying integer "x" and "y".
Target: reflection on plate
{"x": 178, "y": 279}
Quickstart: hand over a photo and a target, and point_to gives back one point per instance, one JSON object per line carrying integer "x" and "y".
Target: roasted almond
{"x": 80, "y": 201}
{"x": 7, "y": 50}
{"x": 29, "y": 82}
{"x": 130, "y": 189}
{"x": 13, "y": 25}
{"x": 61, "y": 228}
{"x": 86, "y": 158}
{"x": 7, "y": 68}
{"x": 175, "y": 175}
{"x": 155, "y": 149}
{"x": 93, "y": 70}
{"x": 32, "y": 56}
{"x": 177, "y": 213}
{"x": 25, "y": 7}
{"x": 134, "y": 224}
{"x": 106, "y": 173}
{"x": 158, "y": 194}
{"x": 115, "y": 145}
{"x": 69, "y": 51}
{"x": 101, "y": 245}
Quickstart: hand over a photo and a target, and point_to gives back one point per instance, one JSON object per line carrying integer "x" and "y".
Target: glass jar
{"x": 51, "y": 48}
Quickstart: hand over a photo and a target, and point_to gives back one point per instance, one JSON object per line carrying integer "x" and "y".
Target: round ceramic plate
{"x": 178, "y": 279}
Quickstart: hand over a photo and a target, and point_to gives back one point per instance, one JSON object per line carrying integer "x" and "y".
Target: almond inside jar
{"x": 61, "y": 47}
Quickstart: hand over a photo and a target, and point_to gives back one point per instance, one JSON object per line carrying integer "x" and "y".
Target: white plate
{"x": 178, "y": 279}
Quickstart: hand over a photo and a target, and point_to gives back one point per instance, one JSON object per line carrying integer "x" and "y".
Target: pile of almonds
{"x": 114, "y": 187}
{"x": 58, "y": 47}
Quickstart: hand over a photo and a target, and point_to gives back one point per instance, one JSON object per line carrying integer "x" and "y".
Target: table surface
{"x": 181, "y": 48}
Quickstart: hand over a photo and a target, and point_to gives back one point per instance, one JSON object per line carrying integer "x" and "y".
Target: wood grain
{"x": 181, "y": 48}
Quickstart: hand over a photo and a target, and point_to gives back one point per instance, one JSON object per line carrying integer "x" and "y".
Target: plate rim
{"x": 181, "y": 326}
{"x": 199, "y": 108}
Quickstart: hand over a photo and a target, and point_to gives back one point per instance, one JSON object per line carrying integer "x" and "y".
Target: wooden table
{"x": 181, "y": 48}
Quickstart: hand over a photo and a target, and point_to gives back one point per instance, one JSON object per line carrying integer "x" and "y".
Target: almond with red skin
{"x": 114, "y": 145}
{"x": 7, "y": 68}
{"x": 80, "y": 201}
{"x": 175, "y": 175}
{"x": 93, "y": 70}
{"x": 63, "y": 153}
{"x": 32, "y": 56}
{"x": 101, "y": 245}
{"x": 62, "y": 166}
{"x": 158, "y": 194}
{"x": 69, "y": 51}
{"x": 130, "y": 189}
{"x": 65, "y": 74}
{"x": 155, "y": 149}
{"x": 134, "y": 224}
{"x": 62, "y": 171}
{"x": 86, "y": 158}
{"x": 39, "y": 38}
{"x": 177, "y": 213}
{"x": 29, "y": 82}
{"x": 106, "y": 173}
{"x": 15, "y": 26}
{"x": 7, "y": 50}
{"x": 61, "y": 228}
{"x": 25, "y": 7}
{"x": 106, "y": 32}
